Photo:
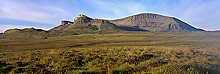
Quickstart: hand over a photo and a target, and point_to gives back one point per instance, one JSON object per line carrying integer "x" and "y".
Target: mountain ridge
{"x": 139, "y": 22}
{"x": 154, "y": 23}
{"x": 85, "y": 24}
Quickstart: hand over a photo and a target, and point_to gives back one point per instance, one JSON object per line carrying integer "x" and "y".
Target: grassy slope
{"x": 133, "y": 52}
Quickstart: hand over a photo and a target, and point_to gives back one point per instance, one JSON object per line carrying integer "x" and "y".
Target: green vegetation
{"x": 117, "y": 53}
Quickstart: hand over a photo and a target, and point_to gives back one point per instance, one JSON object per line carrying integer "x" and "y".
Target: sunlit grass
{"x": 135, "y": 52}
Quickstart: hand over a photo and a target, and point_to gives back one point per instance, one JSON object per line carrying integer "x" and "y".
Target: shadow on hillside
{"x": 131, "y": 28}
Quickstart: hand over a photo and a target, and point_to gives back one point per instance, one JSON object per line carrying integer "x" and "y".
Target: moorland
{"x": 143, "y": 43}
{"x": 128, "y": 52}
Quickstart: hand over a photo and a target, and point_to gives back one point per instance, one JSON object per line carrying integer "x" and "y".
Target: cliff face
{"x": 64, "y": 24}
{"x": 85, "y": 24}
{"x": 82, "y": 19}
{"x": 154, "y": 22}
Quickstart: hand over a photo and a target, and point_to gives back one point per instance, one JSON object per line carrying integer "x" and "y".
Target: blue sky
{"x": 47, "y": 14}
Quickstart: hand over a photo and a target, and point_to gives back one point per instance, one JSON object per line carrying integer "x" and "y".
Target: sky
{"x": 46, "y": 14}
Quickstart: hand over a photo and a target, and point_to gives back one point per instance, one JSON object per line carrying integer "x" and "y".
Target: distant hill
{"x": 140, "y": 22}
{"x": 26, "y": 30}
{"x": 155, "y": 23}
{"x": 24, "y": 33}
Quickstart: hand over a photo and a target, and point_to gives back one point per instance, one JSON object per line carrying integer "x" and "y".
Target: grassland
{"x": 127, "y": 52}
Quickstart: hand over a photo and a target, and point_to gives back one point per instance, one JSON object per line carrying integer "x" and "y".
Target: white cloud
{"x": 199, "y": 13}
{"x": 116, "y": 9}
{"x": 29, "y": 11}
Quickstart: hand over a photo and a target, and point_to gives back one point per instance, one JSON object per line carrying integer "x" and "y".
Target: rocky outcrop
{"x": 82, "y": 19}
{"x": 64, "y": 24}
{"x": 85, "y": 24}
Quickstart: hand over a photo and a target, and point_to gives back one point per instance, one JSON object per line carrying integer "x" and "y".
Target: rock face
{"x": 85, "y": 24}
{"x": 82, "y": 19}
{"x": 64, "y": 24}
{"x": 154, "y": 23}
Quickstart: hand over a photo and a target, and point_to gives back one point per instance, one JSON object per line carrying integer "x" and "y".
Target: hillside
{"x": 83, "y": 24}
{"x": 140, "y": 22}
{"x": 27, "y": 33}
{"x": 155, "y": 23}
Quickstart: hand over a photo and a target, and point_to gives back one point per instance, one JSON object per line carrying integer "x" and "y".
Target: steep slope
{"x": 85, "y": 24}
{"x": 154, "y": 23}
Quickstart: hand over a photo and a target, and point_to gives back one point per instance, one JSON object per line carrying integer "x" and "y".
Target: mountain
{"x": 154, "y": 23}
{"x": 85, "y": 24}
{"x": 140, "y": 22}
